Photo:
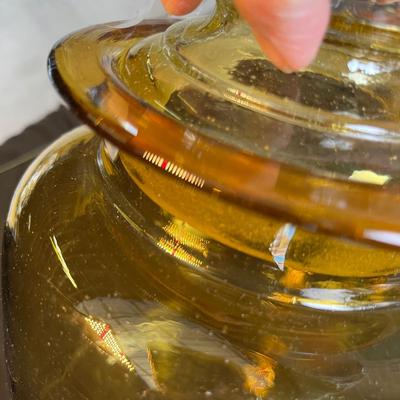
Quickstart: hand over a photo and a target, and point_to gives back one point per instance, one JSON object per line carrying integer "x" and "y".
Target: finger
{"x": 289, "y": 31}
{"x": 386, "y": 1}
{"x": 180, "y": 7}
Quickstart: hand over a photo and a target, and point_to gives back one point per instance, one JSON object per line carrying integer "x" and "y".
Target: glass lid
{"x": 198, "y": 99}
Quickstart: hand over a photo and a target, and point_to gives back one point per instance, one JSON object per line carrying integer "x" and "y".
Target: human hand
{"x": 289, "y": 31}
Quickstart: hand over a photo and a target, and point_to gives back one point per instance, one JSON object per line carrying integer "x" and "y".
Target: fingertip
{"x": 180, "y": 7}
{"x": 288, "y": 31}
{"x": 274, "y": 55}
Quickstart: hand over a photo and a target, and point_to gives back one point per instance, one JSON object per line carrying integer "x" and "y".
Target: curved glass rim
{"x": 263, "y": 184}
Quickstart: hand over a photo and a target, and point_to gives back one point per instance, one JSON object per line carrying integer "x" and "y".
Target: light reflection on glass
{"x": 180, "y": 240}
{"x": 280, "y": 245}
{"x": 103, "y": 331}
{"x": 173, "y": 169}
{"x": 132, "y": 330}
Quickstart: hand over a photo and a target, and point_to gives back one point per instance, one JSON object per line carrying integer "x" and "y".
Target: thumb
{"x": 289, "y": 31}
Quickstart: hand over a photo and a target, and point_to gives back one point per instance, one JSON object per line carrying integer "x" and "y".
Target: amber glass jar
{"x": 236, "y": 234}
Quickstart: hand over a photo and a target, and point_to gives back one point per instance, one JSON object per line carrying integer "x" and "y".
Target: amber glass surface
{"x": 235, "y": 237}
{"x": 202, "y": 95}
{"x": 108, "y": 295}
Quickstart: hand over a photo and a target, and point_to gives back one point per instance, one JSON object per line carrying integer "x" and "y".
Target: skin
{"x": 289, "y": 31}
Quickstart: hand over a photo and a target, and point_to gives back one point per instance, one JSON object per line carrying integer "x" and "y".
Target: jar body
{"x": 110, "y": 295}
